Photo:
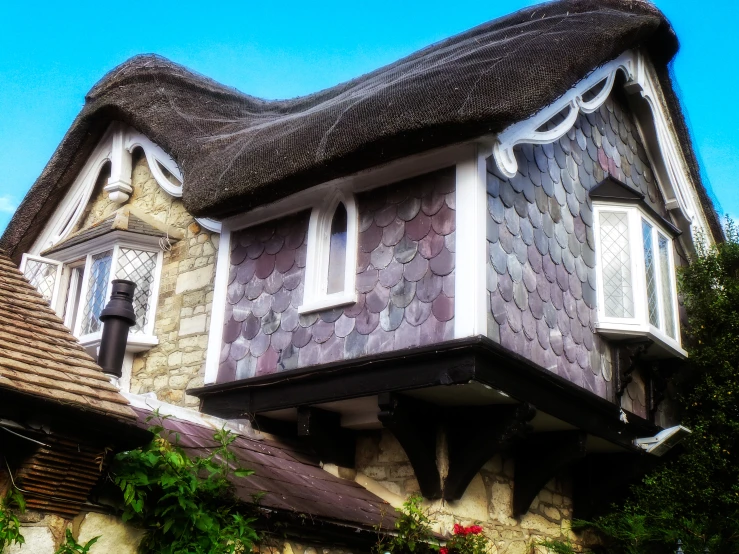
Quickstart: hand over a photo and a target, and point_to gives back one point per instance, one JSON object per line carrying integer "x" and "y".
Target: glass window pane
{"x": 75, "y": 293}
{"x": 138, "y": 266}
{"x": 651, "y": 275}
{"x": 42, "y": 275}
{"x": 668, "y": 309}
{"x": 618, "y": 293}
{"x": 97, "y": 292}
{"x": 337, "y": 251}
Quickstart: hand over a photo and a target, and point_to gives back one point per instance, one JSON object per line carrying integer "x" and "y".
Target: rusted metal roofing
{"x": 290, "y": 478}
{"x": 40, "y": 357}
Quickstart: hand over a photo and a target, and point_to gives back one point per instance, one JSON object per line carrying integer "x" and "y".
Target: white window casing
{"x": 45, "y": 275}
{"x": 316, "y": 296}
{"x": 623, "y": 233}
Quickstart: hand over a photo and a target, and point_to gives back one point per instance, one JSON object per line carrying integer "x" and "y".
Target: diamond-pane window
{"x": 668, "y": 309}
{"x": 97, "y": 292}
{"x": 42, "y": 275}
{"x": 618, "y": 291}
{"x": 651, "y": 274}
{"x": 138, "y": 266}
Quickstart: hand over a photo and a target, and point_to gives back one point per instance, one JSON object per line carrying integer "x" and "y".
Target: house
{"x": 455, "y": 275}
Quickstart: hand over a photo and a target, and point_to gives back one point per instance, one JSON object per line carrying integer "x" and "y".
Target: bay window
{"x": 635, "y": 271}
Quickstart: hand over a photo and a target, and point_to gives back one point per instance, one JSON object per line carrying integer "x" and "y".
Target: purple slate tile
{"x": 239, "y": 349}
{"x": 296, "y": 237}
{"x": 343, "y": 326}
{"x": 407, "y": 336}
{"x": 232, "y": 274}
{"x": 306, "y": 320}
{"x": 570, "y": 349}
{"x": 274, "y": 244}
{"x": 443, "y": 222}
{"x": 245, "y": 237}
{"x": 381, "y": 256}
{"x": 254, "y": 250}
{"x": 409, "y": 208}
{"x": 367, "y": 280}
{"x": 355, "y": 345}
{"x": 242, "y": 309}
{"x": 416, "y": 268}
{"x": 259, "y": 345}
{"x": 392, "y": 234}
{"x": 366, "y": 322}
{"x": 550, "y": 315}
{"x": 432, "y": 331}
{"x": 226, "y": 371}
{"x": 443, "y": 308}
{"x": 529, "y": 278}
{"x": 262, "y": 305}
{"x": 322, "y": 331}
{"x": 281, "y": 300}
{"x": 514, "y": 268}
{"x": 448, "y": 285}
{"x": 231, "y": 330}
{"x": 265, "y": 232}
{"x": 235, "y": 293}
{"x": 505, "y": 286}
{"x": 498, "y": 307}
{"x": 535, "y": 305}
{"x": 273, "y": 283}
{"x": 397, "y": 192}
{"x": 329, "y": 316}
{"x": 391, "y": 317}
{"x": 443, "y": 264}
{"x": 432, "y": 203}
{"x": 364, "y": 259}
{"x": 264, "y": 266}
{"x": 270, "y": 322}
{"x": 377, "y": 299}
{"x": 385, "y": 215}
{"x": 520, "y": 296}
{"x": 450, "y": 241}
{"x": 391, "y": 275}
{"x": 293, "y": 278}
{"x": 238, "y": 254}
{"x": 251, "y": 327}
{"x": 369, "y": 239}
{"x": 431, "y": 245}
{"x": 418, "y": 227}
{"x": 332, "y": 350}
{"x": 225, "y": 350}
{"x": 302, "y": 336}
{"x": 245, "y": 271}
{"x": 417, "y": 312}
{"x": 310, "y": 354}
{"x": 405, "y": 250}
{"x": 280, "y": 340}
{"x": 429, "y": 287}
{"x": 514, "y": 317}
{"x": 285, "y": 259}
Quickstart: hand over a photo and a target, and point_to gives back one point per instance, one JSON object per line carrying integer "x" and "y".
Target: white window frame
{"x": 315, "y": 297}
{"x": 639, "y": 325}
{"x": 54, "y": 300}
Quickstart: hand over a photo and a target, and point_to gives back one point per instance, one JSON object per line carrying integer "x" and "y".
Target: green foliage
{"x": 10, "y": 525}
{"x": 467, "y": 540}
{"x": 185, "y": 504}
{"x": 412, "y": 531}
{"x": 71, "y": 546}
{"x": 695, "y": 497}
{"x": 555, "y": 546}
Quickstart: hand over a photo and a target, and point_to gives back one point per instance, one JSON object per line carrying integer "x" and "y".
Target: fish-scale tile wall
{"x": 541, "y": 271}
{"x": 405, "y": 284}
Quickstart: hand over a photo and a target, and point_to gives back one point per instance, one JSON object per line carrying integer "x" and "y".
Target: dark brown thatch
{"x": 237, "y": 151}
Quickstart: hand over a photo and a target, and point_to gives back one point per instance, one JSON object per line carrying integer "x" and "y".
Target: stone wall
{"x": 487, "y": 501}
{"x": 185, "y": 295}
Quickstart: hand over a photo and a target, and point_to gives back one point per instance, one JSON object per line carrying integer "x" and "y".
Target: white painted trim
{"x": 676, "y": 185}
{"x": 315, "y": 297}
{"x": 104, "y": 242}
{"x": 209, "y": 224}
{"x": 218, "y": 307}
{"x": 54, "y": 300}
{"x": 470, "y": 304}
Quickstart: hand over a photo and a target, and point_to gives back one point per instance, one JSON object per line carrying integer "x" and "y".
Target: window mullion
{"x": 658, "y": 277}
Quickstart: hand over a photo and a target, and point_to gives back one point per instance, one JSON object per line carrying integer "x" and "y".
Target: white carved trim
{"x": 317, "y": 259}
{"x": 527, "y": 131}
{"x": 218, "y": 307}
{"x": 209, "y": 224}
{"x": 675, "y": 184}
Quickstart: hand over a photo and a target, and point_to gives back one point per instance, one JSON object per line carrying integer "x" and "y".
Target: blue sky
{"x": 52, "y": 53}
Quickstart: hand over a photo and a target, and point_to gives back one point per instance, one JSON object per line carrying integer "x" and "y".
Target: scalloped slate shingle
{"x": 405, "y": 284}
{"x": 541, "y": 270}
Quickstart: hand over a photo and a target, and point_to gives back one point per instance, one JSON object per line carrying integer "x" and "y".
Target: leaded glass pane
{"x": 668, "y": 309}
{"x": 138, "y": 266}
{"x": 337, "y": 251}
{"x": 42, "y": 275}
{"x": 651, "y": 275}
{"x": 97, "y": 292}
{"x": 618, "y": 293}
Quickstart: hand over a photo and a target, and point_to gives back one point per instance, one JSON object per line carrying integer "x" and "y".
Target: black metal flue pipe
{"x": 117, "y": 317}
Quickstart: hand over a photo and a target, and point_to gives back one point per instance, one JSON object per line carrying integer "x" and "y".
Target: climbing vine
{"x": 184, "y": 504}
{"x": 10, "y": 525}
{"x": 71, "y": 546}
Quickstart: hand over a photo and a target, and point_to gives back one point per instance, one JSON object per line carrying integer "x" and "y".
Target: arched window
{"x": 337, "y": 251}
{"x": 332, "y": 254}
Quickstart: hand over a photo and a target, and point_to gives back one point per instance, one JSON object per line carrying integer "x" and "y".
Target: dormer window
{"x": 75, "y": 275}
{"x": 635, "y": 269}
{"x": 332, "y": 254}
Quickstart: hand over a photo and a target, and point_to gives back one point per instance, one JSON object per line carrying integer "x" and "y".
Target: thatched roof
{"x": 237, "y": 151}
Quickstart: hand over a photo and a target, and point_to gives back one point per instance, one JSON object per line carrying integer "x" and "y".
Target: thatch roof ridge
{"x": 237, "y": 151}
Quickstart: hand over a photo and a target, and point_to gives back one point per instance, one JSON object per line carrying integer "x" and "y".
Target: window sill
{"x": 663, "y": 346}
{"x": 137, "y": 342}
{"x": 327, "y": 303}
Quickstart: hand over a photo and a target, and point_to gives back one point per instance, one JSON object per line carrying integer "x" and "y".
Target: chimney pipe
{"x": 117, "y": 317}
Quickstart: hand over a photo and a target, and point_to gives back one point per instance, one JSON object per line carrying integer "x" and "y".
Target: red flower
{"x": 459, "y": 530}
{"x": 443, "y": 550}
{"x": 473, "y": 530}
